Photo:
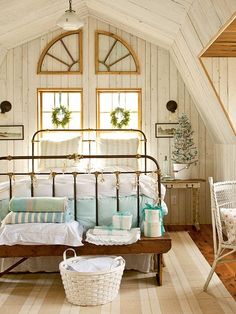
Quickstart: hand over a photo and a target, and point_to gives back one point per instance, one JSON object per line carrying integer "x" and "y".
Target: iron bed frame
{"x": 156, "y": 246}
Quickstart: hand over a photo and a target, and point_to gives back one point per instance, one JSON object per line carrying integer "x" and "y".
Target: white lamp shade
{"x": 70, "y": 21}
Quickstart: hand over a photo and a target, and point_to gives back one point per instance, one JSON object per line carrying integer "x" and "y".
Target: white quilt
{"x": 42, "y": 233}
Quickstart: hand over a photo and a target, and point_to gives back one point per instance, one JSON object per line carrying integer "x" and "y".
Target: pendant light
{"x": 70, "y": 21}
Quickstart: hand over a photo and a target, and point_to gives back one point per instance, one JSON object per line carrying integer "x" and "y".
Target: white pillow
{"x": 228, "y": 216}
{"x": 109, "y": 146}
{"x": 66, "y": 147}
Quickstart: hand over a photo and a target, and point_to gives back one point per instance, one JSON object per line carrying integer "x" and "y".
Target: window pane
{"x": 57, "y": 100}
{"x": 53, "y": 99}
{"x": 105, "y": 102}
{"x": 133, "y": 121}
{"x": 121, "y": 100}
{"x": 64, "y": 99}
{"x": 131, "y": 101}
{"x": 124, "y": 99}
{"x": 105, "y": 121}
{"x": 47, "y": 121}
{"x": 48, "y": 101}
{"x": 74, "y": 102}
{"x": 75, "y": 121}
{"x": 115, "y": 100}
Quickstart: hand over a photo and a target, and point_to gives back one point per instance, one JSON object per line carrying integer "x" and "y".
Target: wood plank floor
{"x": 204, "y": 241}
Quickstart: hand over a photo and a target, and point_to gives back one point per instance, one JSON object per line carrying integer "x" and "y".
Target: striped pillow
{"x": 66, "y": 147}
{"x": 109, "y": 146}
{"x": 29, "y": 217}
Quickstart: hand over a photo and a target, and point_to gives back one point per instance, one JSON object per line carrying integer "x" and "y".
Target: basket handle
{"x": 118, "y": 258}
{"x": 64, "y": 254}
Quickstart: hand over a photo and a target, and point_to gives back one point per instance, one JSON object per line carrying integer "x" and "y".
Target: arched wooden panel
{"x": 113, "y": 55}
{"x": 63, "y": 55}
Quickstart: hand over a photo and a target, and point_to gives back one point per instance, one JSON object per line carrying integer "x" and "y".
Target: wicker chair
{"x": 223, "y": 197}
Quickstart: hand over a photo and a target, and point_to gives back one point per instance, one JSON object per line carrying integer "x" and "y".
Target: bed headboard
{"x": 80, "y": 142}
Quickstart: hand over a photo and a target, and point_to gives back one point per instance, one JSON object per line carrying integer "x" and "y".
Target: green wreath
{"x": 60, "y": 116}
{"x": 120, "y": 117}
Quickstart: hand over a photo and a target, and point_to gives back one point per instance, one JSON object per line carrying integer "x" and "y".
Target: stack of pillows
{"x": 37, "y": 210}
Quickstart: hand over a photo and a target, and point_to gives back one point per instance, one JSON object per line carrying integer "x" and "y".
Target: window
{"x": 62, "y": 55}
{"x": 128, "y": 99}
{"x": 114, "y": 55}
{"x": 52, "y": 98}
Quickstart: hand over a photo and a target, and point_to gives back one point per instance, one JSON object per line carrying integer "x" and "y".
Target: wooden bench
{"x": 146, "y": 245}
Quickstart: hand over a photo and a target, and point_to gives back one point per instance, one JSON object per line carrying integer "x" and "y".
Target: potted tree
{"x": 184, "y": 152}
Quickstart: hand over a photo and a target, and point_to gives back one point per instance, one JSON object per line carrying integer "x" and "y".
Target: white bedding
{"x": 132, "y": 236}
{"x": 64, "y": 187}
{"x": 42, "y": 233}
{"x": 85, "y": 191}
{"x": 85, "y": 186}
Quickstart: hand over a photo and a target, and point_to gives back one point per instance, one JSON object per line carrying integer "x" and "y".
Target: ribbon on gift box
{"x": 155, "y": 207}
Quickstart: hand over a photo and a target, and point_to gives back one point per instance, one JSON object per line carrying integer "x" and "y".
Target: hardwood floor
{"x": 204, "y": 241}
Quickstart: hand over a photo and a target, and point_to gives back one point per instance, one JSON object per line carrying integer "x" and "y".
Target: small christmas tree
{"x": 184, "y": 150}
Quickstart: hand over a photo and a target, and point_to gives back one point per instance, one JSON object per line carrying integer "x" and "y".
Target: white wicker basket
{"x": 91, "y": 288}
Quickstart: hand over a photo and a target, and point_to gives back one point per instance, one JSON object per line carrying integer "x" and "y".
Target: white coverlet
{"x": 101, "y": 239}
{"x": 42, "y": 233}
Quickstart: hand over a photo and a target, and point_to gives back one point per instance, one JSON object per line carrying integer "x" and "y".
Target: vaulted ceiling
{"x": 185, "y": 27}
{"x": 157, "y": 20}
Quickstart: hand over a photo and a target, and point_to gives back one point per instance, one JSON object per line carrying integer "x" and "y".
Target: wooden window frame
{"x": 39, "y": 102}
{"x": 123, "y": 42}
{"x": 59, "y": 39}
{"x": 117, "y": 90}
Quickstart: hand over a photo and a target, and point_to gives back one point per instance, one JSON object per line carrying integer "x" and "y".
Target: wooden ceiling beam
{"x": 225, "y": 44}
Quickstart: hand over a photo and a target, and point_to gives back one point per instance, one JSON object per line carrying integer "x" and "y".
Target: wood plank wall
{"x": 221, "y": 72}
{"x": 159, "y": 80}
{"x": 202, "y": 24}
